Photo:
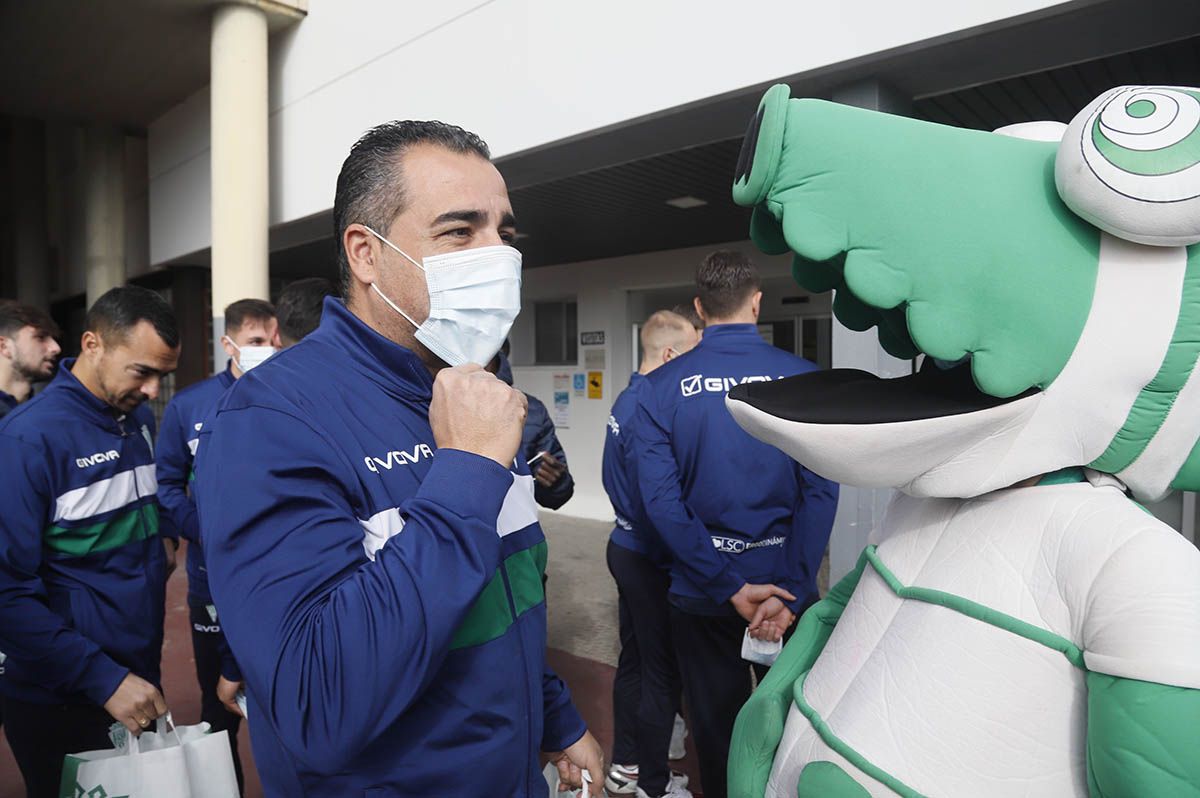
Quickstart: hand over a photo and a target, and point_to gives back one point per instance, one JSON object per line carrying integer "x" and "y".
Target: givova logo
{"x": 614, "y": 425}
{"x": 698, "y": 383}
{"x": 398, "y": 458}
{"x": 98, "y": 457}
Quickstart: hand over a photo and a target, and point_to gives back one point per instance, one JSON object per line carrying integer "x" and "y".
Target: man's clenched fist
{"x": 473, "y": 411}
{"x": 136, "y": 703}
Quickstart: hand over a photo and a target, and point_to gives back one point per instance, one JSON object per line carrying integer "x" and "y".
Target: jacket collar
{"x": 93, "y": 407}
{"x": 226, "y": 377}
{"x": 380, "y": 359}
{"x": 720, "y": 334}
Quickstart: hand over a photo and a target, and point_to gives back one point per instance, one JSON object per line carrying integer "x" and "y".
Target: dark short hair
{"x": 370, "y": 187}
{"x": 15, "y": 316}
{"x": 299, "y": 307}
{"x": 246, "y": 310}
{"x": 120, "y": 309}
{"x": 725, "y": 279}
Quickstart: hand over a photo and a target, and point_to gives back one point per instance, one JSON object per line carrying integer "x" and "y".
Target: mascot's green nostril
{"x": 746, "y": 156}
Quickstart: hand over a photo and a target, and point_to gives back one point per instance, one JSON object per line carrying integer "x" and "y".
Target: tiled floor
{"x": 582, "y": 638}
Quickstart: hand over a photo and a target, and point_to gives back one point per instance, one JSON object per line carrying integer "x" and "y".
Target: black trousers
{"x": 646, "y": 688}
{"x": 206, "y": 639}
{"x": 716, "y": 683}
{"x": 40, "y": 735}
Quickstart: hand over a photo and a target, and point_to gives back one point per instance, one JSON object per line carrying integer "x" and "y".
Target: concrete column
{"x": 27, "y": 170}
{"x": 103, "y": 209}
{"x": 859, "y": 509}
{"x": 240, "y": 191}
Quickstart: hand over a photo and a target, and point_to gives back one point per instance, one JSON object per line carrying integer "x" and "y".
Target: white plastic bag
{"x": 181, "y": 762}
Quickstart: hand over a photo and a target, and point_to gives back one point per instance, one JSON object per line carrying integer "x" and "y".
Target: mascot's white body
{"x": 1019, "y": 624}
{"x": 1073, "y": 560}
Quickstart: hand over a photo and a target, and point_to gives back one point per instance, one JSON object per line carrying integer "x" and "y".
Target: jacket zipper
{"x": 512, "y": 608}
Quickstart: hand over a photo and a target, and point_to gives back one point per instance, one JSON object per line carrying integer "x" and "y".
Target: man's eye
{"x": 508, "y": 238}
{"x": 458, "y": 232}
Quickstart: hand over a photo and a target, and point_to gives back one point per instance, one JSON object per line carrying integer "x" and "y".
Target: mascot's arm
{"x": 760, "y": 724}
{"x": 1143, "y": 739}
{"x": 1142, "y": 649}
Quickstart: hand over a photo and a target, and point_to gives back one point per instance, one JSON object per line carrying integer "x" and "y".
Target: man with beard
{"x": 28, "y": 350}
{"x": 82, "y": 567}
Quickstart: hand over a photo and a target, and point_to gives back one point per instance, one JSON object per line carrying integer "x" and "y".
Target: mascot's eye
{"x": 746, "y": 156}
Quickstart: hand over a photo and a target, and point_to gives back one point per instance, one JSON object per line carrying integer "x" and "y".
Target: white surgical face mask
{"x": 251, "y": 356}
{"x": 474, "y": 296}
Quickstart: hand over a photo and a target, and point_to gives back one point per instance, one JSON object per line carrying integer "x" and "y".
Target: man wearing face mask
{"x": 250, "y": 329}
{"x": 378, "y": 565}
{"x": 82, "y": 563}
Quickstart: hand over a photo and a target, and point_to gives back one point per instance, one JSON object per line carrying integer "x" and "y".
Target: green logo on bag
{"x": 96, "y": 792}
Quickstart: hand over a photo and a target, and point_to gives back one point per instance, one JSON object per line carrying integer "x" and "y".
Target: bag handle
{"x": 166, "y": 725}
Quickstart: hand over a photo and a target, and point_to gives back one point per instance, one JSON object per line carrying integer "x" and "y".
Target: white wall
{"x": 602, "y": 290}
{"x": 521, "y": 73}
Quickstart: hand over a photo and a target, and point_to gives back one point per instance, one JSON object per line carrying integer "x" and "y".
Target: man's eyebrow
{"x": 145, "y": 367}
{"x": 508, "y": 220}
{"x": 473, "y": 217}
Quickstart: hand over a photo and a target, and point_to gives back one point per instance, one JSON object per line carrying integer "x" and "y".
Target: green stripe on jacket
{"x": 136, "y": 523}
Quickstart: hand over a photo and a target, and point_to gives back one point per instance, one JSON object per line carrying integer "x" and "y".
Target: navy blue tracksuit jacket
{"x": 731, "y": 509}
{"x": 383, "y": 597}
{"x": 82, "y": 568}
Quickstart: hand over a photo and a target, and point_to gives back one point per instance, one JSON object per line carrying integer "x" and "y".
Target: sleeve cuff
{"x": 230, "y": 670}
{"x": 564, "y": 730}
{"x": 101, "y": 679}
{"x": 453, "y": 470}
{"x": 723, "y": 587}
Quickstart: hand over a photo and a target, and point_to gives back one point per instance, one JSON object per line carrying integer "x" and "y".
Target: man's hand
{"x": 227, "y": 691}
{"x": 136, "y": 703}
{"x": 170, "y": 546}
{"x": 549, "y": 469}
{"x": 473, "y": 411}
{"x": 585, "y": 754}
{"x": 771, "y": 620}
{"x": 747, "y": 599}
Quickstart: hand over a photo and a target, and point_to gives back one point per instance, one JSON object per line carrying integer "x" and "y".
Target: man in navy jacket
{"x": 746, "y": 525}
{"x": 553, "y": 484}
{"x": 248, "y": 323}
{"x": 28, "y": 351}
{"x": 372, "y": 543}
{"x": 82, "y": 564}
{"x": 646, "y": 687}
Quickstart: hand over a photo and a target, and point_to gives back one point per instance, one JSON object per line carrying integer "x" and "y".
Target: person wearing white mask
{"x": 250, "y": 338}
{"x": 372, "y": 538}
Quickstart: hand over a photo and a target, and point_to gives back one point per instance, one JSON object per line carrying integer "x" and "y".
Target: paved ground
{"x": 582, "y": 639}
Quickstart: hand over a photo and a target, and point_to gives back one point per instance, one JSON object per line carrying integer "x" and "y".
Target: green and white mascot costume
{"x": 1018, "y": 625}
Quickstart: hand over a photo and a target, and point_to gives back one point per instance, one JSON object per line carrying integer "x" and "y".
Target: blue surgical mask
{"x": 474, "y": 296}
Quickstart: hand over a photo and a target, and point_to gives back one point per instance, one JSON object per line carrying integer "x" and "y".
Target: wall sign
{"x": 593, "y": 338}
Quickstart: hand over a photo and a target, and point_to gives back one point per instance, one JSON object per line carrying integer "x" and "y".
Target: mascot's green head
{"x": 1049, "y": 274}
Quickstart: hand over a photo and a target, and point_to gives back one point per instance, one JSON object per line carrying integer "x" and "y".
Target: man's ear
{"x": 7, "y": 347}
{"x": 668, "y": 354}
{"x": 756, "y": 303}
{"x": 362, "y": 253}
{"x": 699, "y": 309}
{"x": 227, "y": 345}
{"x": 91, "y": 345}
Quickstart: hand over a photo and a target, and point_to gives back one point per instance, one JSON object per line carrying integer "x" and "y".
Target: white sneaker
{"x": 678, "y": 750}
{"x": 674, "y": 789}
{"x": 622, "y": 780}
